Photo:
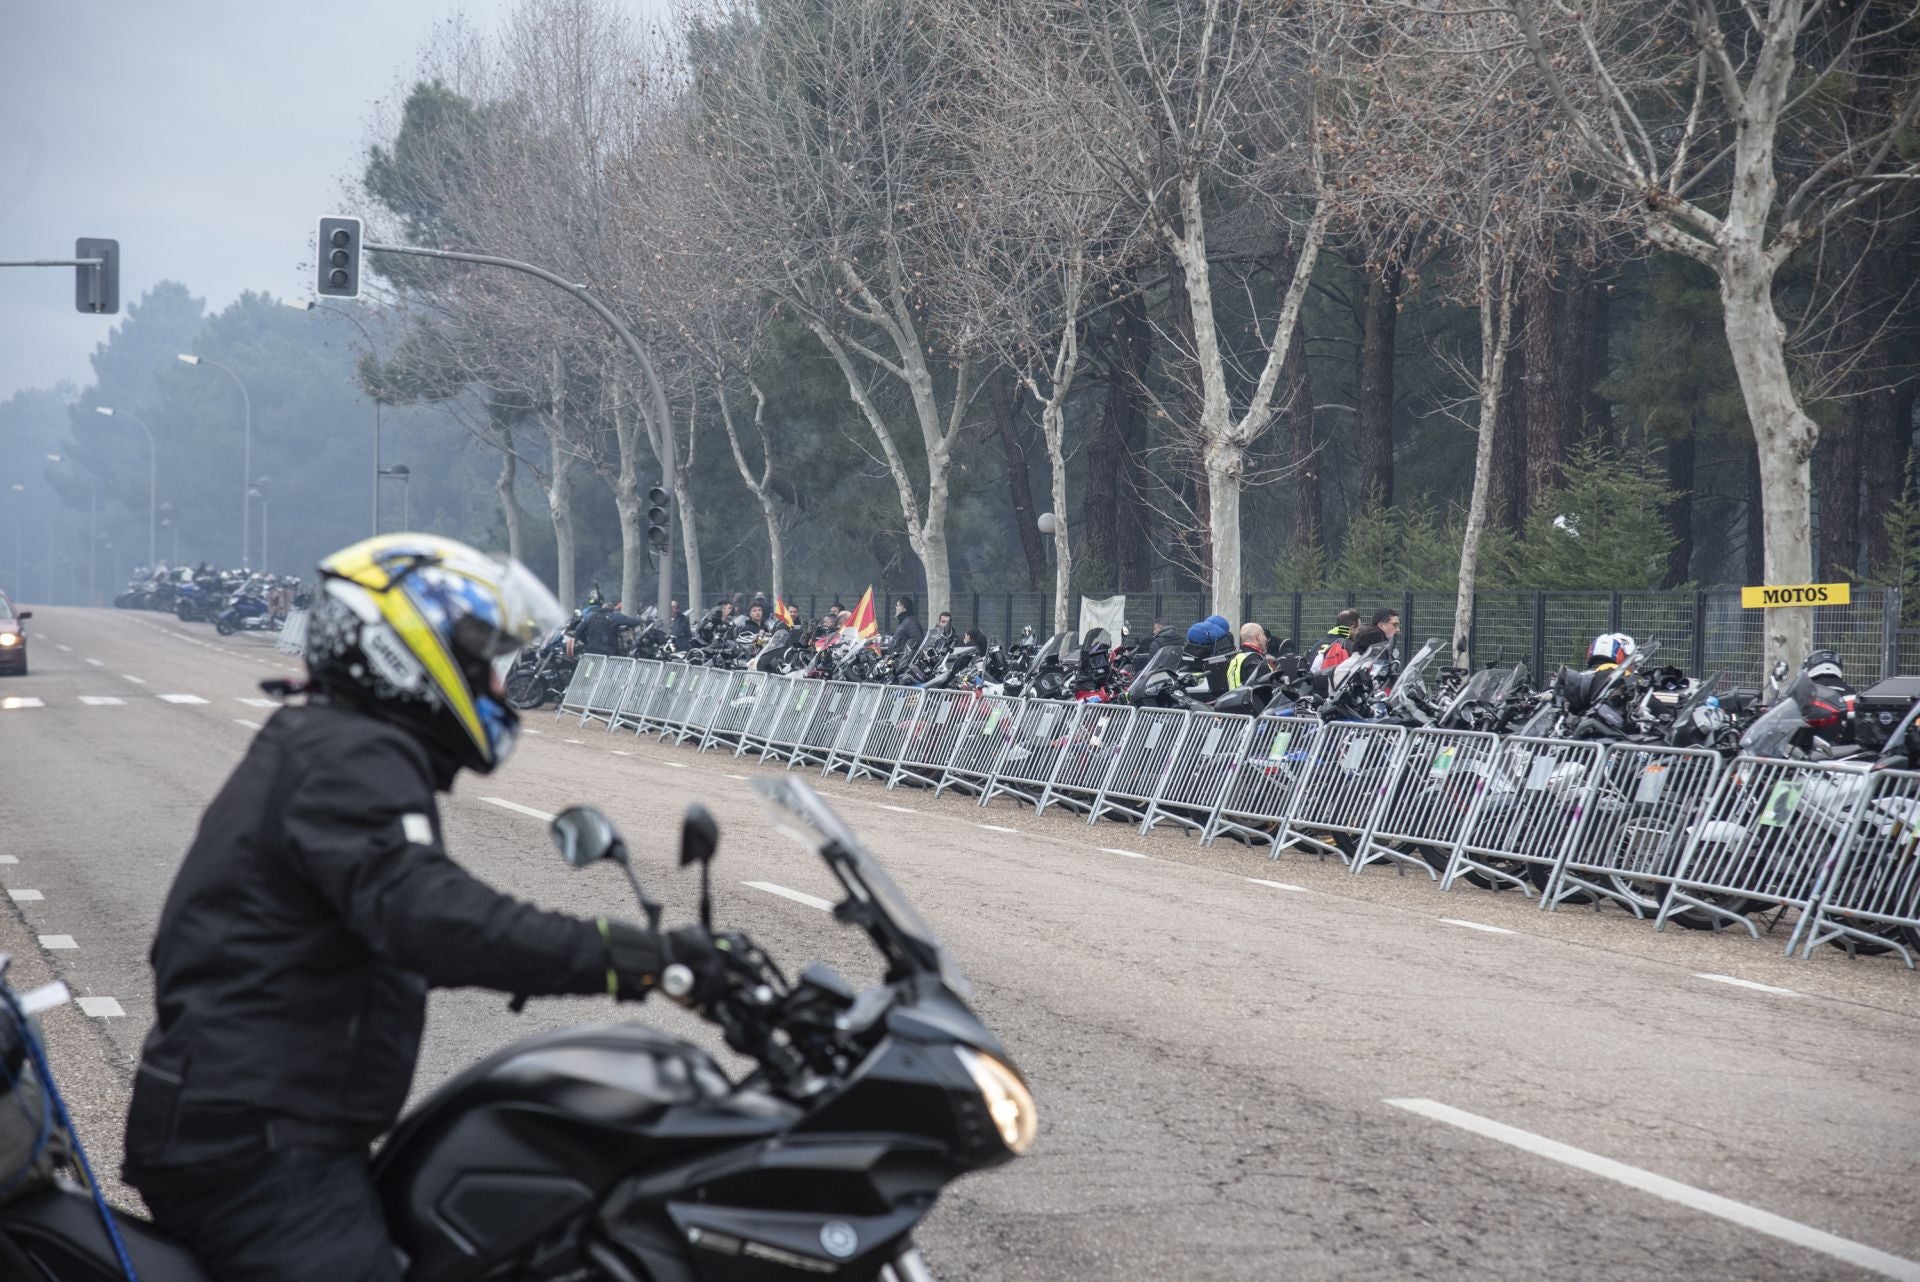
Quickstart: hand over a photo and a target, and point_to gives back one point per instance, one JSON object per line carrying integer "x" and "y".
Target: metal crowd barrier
{"x": 1659, "y": 831}
{"x": 1443, "y": 778}
{"x": 1640, "y": 812}
{"x": 293, "y": 633}
{"x": 1533, "y": 798}
{"x": 1874, "y": 895}
{"x": 1774, "y": 832}
{"x": 1347, "y": 777}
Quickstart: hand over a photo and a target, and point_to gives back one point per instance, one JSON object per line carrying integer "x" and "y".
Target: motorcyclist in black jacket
{"x": 678, "y": 627}
{"x": 317, "y": 906}
{"x": 600, "y": 633}
{"x": 907, "y": 631}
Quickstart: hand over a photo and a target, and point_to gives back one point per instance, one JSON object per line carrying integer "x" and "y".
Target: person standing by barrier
{"x": 1336, "y": 648}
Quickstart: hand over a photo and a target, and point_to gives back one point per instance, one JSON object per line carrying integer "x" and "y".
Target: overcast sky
{"x": 205, "y": 135}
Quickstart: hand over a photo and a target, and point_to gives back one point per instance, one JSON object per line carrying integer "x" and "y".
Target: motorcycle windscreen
{"x": 1411, "y": 684}
{"x": 1052, "y": 650}
{"x": 896, "y": 926}
{"x": 1165, "y": 659}
{"x": 1772, "y": 734}
{"x": 1368, "y": 660}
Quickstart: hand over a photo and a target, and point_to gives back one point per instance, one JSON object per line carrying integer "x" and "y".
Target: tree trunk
{"x": 1000, "y": 395}
{"x": 1380, "y": 316}
{"x": 1785, "y": 436}
{"x": 1308, "y": 510}
{"x": 1223, "y": 464}
{"x": 509, "y": 506}
{"x": 1191, "y": 541}
{"x": 1507, "y": 480}
{"x": 1756, "y": 528}
{"x": 1836, "y": 466}
{"x": 1680, "y": 453}
{"x": 560, "y": 474}
{"x": 762, "y": 484}
{"x": 1589, "y": 415}
{"x": 1496, "y": 333}
{"x": 1543, "y": 414}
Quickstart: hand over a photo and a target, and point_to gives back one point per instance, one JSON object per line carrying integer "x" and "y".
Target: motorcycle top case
{"x": 1878, "y": 710}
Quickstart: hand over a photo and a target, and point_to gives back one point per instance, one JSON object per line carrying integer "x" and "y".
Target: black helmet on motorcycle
{"x": 1823, "y": 664}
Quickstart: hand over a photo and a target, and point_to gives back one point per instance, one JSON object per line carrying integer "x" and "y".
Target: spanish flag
{"x": 863, "y": 620}
{"x": 783, "y": 612}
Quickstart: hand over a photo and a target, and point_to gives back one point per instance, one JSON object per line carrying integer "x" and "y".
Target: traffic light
{"x": 340, "y": 257}
{"x": 96, "y": 290}
{"x": 657, "y": 519}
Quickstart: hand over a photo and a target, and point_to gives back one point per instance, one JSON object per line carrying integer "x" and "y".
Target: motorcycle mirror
{"x": 585, "y": 836}
{"x": 699, "y": 838}
{"x": 1779, "y": 670}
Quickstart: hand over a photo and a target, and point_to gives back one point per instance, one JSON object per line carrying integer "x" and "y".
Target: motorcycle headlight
{"x": 1009, "y": 1102}
{"x": 9, "y": 638}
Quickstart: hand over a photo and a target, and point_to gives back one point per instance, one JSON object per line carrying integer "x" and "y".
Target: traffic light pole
{"x": 639, "y": 353}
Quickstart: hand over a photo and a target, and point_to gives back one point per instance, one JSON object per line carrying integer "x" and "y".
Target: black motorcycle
{"x": 618, "y": 1153}
{"x": 541, "y": 676}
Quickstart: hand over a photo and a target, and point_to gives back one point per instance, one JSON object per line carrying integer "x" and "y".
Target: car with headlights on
{"x": 13, "y": 637}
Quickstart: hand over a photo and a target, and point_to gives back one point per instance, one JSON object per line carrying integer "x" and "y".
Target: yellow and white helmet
{"x": 422, "y": 630}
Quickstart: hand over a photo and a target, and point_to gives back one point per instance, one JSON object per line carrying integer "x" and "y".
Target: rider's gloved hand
{"x": 693, "y": 947}
{"x": 635, "y": 958}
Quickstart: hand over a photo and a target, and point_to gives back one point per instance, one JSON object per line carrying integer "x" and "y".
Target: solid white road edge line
{"x": 1854, "y": 1253}
{"x": 517, "y": 808}
{"x": 1130, "y": 854}
{"x": 1477, "y": 925}
{"x": 1747, "y": 983}
{"x": 1279, "y": 885}
{"x": 798, "y": 897}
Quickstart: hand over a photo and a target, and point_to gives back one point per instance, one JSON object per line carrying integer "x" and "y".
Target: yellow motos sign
{"x": 1763, "y": 598}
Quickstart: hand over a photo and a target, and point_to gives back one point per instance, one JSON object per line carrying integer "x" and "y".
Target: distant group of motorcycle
{"x": 232, "y": 600}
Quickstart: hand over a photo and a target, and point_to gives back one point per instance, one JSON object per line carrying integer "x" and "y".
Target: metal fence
{"x": 1674, "y": 836}
{"x": 1702, "y": 631}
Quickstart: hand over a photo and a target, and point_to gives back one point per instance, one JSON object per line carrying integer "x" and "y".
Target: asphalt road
{"x": 1311, "y": 1075}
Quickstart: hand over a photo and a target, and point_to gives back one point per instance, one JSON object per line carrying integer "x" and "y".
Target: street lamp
{"x": 153, "y": 484}
{"x": 259, "y": 494}
{"x": 307, "y": 305}
{"x": 401, "y": 472}
{"x": 246, "y": 453}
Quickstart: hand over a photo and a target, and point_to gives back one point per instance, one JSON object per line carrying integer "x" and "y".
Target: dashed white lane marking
{"x": 570, "y": 741}
{"x": 57, "y": 941}
{"x": 1130, "y": 854}
{"x": 20, "y": 701}
{"x": 24, "y": 896}
{"x": 258, "y": 703}
{"x": 63, "y": 649}
{"x": 517, "y": 808}
{"x": 101, "y": 701}
{"x": 251, "y": 725}
{"x": 128, "y": 676}
{"x": 898, "y": 810}
{"x": 741, "y": 778}
{"x": 620, "y": 752}
{"x": 1280, "y": 885}
{"x": 996, "y": 828}
{"x": 530, "y": 730}
{"x": 1854, "y": 1253}
{"x": 99, "y": 1007}
{"x": 39, "y": 636}
{"x": 9, "y": 859}
{"x": 798, "y": 897}
{"x": 677, "y": 765}
{"x": 1477, "y": 925}
{"x": 181, "y": 698}
{"x": 96, "y": 663}
{"x": 1748, "y": 983}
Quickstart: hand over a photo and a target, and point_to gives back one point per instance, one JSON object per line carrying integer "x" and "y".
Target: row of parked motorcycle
{"x": 232, "y": 600}
{"x": 1624, "y": 692}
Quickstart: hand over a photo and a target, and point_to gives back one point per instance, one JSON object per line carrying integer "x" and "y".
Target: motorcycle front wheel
{"x": 224, "y": 627}
{"x": 526, "y": 691}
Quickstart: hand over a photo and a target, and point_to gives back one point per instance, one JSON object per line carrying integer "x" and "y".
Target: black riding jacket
{"x": 313, "y": 912}
{"x": 600, "y": 634}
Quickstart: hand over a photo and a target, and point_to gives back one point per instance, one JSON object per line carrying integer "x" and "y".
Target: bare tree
{"x": 1742, "y": 132}
{"x": 816, "y": 124}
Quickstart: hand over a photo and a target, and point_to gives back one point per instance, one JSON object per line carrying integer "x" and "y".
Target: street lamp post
{"x": 246, "y": 454}
{"x": 259, "y": 495}
{"x": 403, "y": 474}
{"x": 307, "y": 305}
{"x": 153, "y": 481}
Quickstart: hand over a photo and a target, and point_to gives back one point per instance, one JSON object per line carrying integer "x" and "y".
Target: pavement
{"x": 1245, "y": 1068}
